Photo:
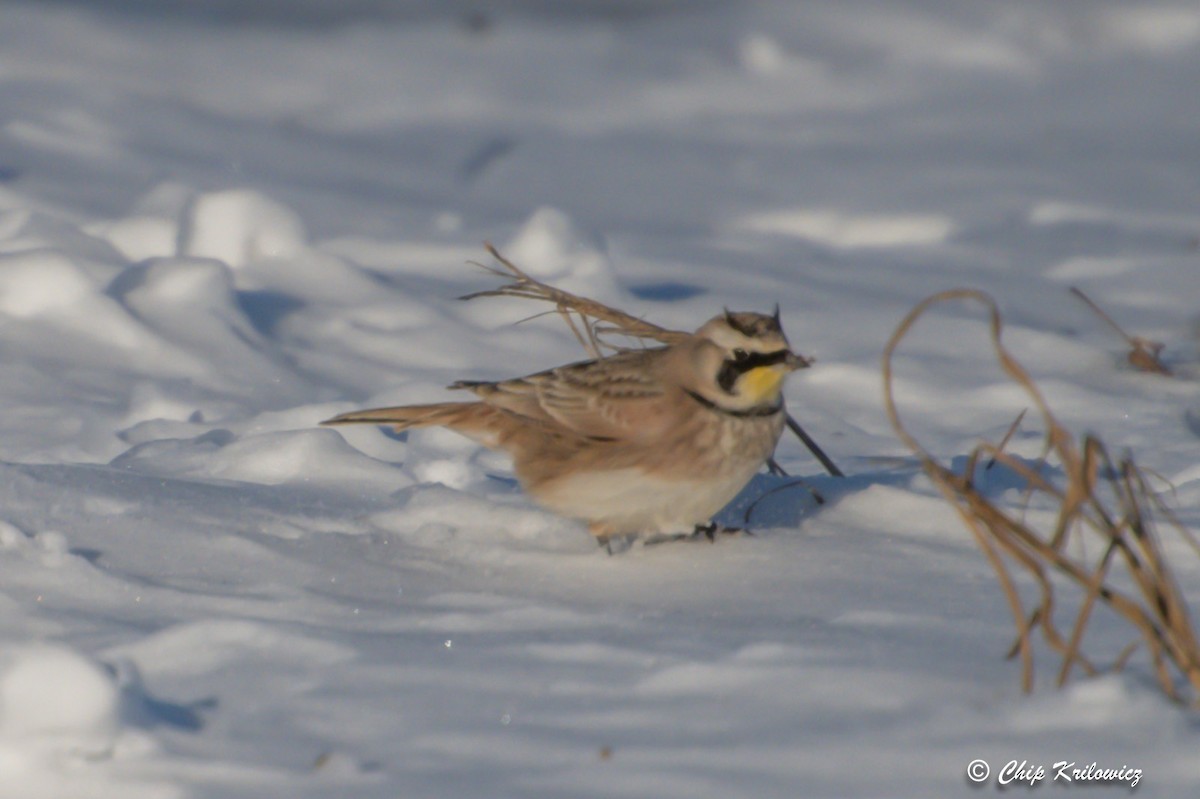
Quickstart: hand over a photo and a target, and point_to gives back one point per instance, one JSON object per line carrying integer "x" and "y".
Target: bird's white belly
{"x": 630, "y": 501}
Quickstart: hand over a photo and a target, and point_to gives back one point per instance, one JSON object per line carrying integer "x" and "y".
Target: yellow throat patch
{"x": 761, "y": 385}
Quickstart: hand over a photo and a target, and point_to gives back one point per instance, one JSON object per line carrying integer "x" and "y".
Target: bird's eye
{"x": 740, "y": 354}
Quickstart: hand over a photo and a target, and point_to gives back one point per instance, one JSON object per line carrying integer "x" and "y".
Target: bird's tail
{"x": 403, "y": 417}
{"x": 472, "y": 419}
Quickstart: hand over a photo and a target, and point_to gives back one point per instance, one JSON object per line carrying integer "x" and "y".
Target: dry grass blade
{"x": 816, "y": 450}
{"x": 1012, "y": 430}
{"x": 588, "y": 311}
{"x": 584, "y": 316}
{"x": 1096, "y": 499}
{"x": 1143, "y": 353}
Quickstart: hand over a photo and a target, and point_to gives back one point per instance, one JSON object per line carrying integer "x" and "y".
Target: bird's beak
{"x": 796, "y": 361}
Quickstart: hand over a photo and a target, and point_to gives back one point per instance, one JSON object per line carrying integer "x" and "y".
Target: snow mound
{"x": 318, "y": 457}
{"x": 309, "y": 276}
{"x": 49, "y": 290}
{"x": 151, "y": 229}
{"x": 263, "y": 241}
{"x": 142, "y": 237}
{"x": 1098, "y": 703}
{"x": 192, "y": 303}
{"x": 73, "y": 726}
{"x": 850, "y": 231}
{"x": 552, "y": 248}
{"x": 41, "y": 283}
{"x": 206, "y": 646}
{"x": 52, "y": 695}
{"x": 169, "y": 401}
{"x": 436, "y": 516}
{"x": 240, "y": 226}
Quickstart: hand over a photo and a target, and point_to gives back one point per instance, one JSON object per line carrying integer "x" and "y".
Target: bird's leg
{"x": 611, "y": 542}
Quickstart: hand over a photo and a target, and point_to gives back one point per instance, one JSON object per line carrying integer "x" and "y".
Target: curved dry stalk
{"x": 816, "y": 495}
{"x": 1098, "y": 497}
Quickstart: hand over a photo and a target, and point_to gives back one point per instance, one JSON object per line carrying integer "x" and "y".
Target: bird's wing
{"x": 622, "y": 397}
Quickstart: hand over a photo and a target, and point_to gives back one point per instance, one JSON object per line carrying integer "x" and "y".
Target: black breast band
{"x": 761, "y": 410}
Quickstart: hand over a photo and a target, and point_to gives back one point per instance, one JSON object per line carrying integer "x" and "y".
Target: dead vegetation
{"x": 1101, "y": 545}
{"x": 1144, "y": 354}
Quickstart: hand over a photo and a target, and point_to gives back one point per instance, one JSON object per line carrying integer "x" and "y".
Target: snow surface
{"x": 223, "y": 222}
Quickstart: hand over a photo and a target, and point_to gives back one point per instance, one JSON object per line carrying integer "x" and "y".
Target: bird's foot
{"x": 708, "y": 531}
{"x": 612, "y": 543}
{"x": 712, "y": 530}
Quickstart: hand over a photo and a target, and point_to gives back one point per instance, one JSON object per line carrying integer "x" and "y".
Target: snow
{"x": 222, "y": 223}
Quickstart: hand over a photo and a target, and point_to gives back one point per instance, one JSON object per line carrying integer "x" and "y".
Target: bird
{"x": 642, "y": 443}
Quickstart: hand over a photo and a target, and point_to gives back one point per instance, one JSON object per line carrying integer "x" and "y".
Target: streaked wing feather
{"x": 618, "y": 397}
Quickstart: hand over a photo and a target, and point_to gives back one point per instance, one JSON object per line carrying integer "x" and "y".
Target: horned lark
{"x": 651, "y": 441}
